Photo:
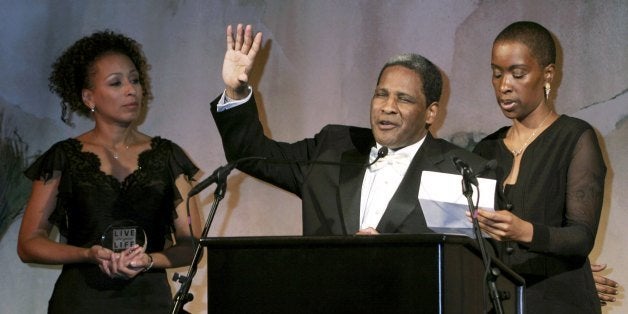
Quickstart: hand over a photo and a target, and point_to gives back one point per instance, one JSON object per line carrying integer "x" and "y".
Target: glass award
{"x": 122, "y": 235}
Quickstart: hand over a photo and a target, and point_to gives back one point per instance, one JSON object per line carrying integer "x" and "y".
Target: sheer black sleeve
{"x": 584, "y": 197}
{"x": 179, "y": 163}
{"x": 50, "y": 164}
{"x": 45, "y": 165}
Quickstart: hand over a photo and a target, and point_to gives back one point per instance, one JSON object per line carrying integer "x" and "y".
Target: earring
{"x": 547, "y": 88}
{"x": 93, "y": 108}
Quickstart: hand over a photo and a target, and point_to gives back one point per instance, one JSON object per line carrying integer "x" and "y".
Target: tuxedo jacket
{"x": 327, "y": 171}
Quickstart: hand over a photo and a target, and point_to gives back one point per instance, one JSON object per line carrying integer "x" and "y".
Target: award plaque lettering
{"x": 122, "y": 235}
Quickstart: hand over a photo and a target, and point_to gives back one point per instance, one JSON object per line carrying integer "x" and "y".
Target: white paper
{"x": 444, "y": 206}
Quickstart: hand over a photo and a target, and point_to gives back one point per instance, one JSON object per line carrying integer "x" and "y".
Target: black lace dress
{"x": 89, "y": 200}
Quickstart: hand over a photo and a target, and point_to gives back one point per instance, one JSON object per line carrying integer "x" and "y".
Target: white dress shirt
{"x": 381, "y": 181}
{"x": 226, "y": 103}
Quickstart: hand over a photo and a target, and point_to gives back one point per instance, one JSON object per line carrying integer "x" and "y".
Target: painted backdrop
{"x": 318, "y": 65}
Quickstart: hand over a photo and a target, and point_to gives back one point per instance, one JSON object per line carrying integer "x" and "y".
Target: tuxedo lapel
{"x": 350, "y": 189}
{"x": 405, "y": 201}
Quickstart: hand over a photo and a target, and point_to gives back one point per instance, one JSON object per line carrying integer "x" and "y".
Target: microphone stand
{"x": 490, "y": 272}
{"x": 183, "y": 296}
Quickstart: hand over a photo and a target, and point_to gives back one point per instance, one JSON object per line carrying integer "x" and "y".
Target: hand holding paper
{"x": 503, "y": 225}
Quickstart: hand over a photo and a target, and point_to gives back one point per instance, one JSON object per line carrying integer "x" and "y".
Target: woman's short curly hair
{"x": 70, "y": 72}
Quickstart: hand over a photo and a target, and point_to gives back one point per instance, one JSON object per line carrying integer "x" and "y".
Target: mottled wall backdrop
{"x": 318, "y": 65}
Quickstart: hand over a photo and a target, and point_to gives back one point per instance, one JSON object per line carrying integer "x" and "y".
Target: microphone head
{"x": 382, "y": 152}
{"x": 459, "y": 164}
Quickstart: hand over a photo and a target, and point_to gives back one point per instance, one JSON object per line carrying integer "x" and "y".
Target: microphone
{"x": 219, "y": 175}
{"x": 381, "y": 153}
{"x": 465, "y": 170}
{"x": 222, "y": 172}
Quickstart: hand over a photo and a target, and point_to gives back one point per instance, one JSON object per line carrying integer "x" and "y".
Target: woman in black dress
{"x": 112, "y": 175}
{"x": 551, "y": 176}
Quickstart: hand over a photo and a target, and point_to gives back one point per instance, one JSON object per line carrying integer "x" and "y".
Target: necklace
{"x": 525, "y": 144}
{"x": 114, "y": 152}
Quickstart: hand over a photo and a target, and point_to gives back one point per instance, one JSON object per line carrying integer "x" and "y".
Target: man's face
{"x": 399, "y": 113}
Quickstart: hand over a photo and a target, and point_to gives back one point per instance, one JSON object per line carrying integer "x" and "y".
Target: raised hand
{"x": 239, "y": 59}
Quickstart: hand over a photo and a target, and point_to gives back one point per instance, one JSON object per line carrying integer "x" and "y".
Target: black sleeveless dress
{"x": 89, "y": 200}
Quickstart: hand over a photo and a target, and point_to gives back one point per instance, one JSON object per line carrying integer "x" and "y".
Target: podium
{"x": 431, "y": 273}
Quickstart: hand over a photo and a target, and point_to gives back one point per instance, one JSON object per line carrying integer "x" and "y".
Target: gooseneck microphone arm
{"x": 219, "y": 176}
{"x": 381, "y": 153}
{"x": 491, "y": 273}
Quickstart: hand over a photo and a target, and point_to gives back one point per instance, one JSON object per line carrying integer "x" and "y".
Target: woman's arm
{"x": 134, "y": 261}
{"x": 583, "y": 202}
{"x": 182, "y": 252}
{"x": 34, "y": 244}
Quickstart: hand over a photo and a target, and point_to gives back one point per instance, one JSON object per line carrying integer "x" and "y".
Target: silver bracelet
{"x": 150, "y": 264}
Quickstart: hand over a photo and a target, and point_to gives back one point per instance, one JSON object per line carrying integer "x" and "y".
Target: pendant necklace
{"x": 525, "y": 144}
{"x": 114, "y": 152}
{"x": 112, "y": 149}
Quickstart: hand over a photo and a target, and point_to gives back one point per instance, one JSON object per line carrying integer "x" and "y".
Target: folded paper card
{"x": 444, "y": 206}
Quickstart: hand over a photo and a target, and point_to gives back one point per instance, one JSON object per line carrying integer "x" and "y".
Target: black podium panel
{"x": 352, "y": 274}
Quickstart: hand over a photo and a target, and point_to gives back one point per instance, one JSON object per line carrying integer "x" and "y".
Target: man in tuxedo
{"x": 344, "y": 187}
{"x": 340, "y": 194}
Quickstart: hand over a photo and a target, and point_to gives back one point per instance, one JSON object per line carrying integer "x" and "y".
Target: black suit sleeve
{"x": 242, "y": 136}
